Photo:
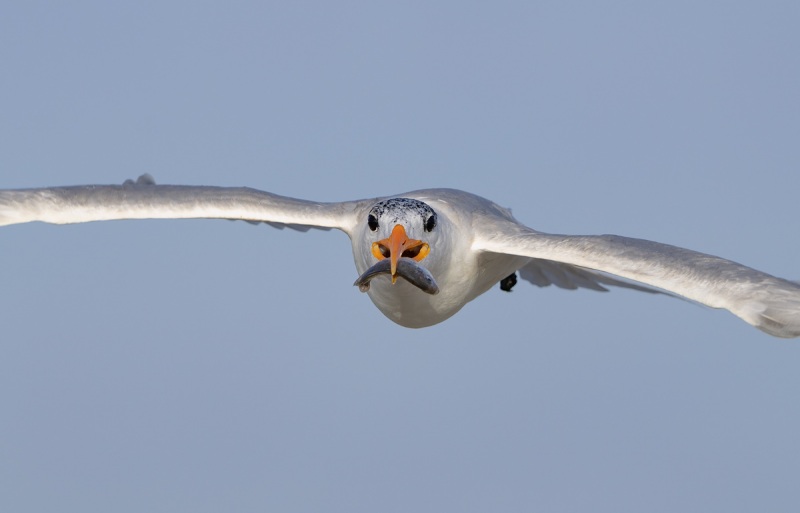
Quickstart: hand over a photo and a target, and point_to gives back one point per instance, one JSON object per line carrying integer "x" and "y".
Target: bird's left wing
{"x": 768, "y": 303}
{"x": 143, "y": 199}
{"x": 544, "y": 273}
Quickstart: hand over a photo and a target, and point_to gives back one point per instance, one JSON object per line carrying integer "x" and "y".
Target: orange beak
{"x": 398, "y": 244}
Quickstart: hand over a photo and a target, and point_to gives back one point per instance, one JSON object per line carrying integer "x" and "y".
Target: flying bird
{"x": 422, "y": 255}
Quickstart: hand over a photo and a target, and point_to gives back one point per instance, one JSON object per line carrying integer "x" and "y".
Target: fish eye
{"x": 430, "y": 224}
{"x": 372, "y": 221}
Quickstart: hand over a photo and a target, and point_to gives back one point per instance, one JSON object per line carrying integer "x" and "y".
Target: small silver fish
{"x": 407, "y": 269}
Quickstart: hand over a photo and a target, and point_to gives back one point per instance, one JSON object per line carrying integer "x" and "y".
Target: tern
{"x": 448, "y": 246}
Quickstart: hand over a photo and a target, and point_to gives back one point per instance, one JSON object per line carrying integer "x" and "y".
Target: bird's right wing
{"x": 143, "y": 199}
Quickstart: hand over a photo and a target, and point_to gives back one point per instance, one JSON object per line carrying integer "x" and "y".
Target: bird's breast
{"x": 408, "y": 306}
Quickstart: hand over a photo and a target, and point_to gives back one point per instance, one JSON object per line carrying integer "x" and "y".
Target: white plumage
{"x": 467, "y": 243}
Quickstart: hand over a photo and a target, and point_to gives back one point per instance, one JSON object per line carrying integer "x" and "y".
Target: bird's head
{"x": 400, "y": 227}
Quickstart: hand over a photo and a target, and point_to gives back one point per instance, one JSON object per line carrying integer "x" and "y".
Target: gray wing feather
{"x": 298, "y": 227}
{"x": 544, "y": 273}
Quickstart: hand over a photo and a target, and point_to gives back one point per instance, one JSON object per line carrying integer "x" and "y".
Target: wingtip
{"x": 778, "y": 316}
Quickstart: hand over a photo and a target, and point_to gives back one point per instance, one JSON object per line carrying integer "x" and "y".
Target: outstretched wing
{"x": 768, "y": 303}
{"x": 143, "y": 199}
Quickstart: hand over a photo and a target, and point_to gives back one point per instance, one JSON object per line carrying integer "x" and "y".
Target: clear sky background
{"x": 218, "y": 366}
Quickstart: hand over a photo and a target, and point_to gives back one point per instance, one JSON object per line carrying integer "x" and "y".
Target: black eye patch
{"x": 430, "y": 224}
{"x": 372, "y": 222}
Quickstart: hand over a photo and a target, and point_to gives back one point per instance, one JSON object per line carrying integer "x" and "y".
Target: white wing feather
{"x": 145, "y": 200}
{"x": 768, "y": 303}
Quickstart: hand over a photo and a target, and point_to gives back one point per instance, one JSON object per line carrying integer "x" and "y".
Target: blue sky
{"x": 210, "y": 365}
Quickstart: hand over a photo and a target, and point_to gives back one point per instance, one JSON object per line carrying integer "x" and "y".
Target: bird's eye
{"x": 372, "y": 221}
{"x": 430, "y": 224}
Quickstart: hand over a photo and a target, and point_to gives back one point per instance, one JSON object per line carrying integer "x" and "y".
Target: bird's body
{"x": 467, "y": 274}
{"x": 465, "y": 242}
